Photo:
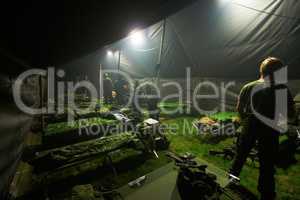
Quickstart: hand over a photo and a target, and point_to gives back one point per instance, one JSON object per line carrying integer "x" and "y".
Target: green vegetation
{"x": 223, "y": 116}
{"x": 185, "y": 139}
{"x": 83, "y": 192}
{"x": 81, "y": 151}
{"x": 137, "y": 168}
{"x": 171, "y": 105}
{"x": 95, "y": 173}
{"x": 171, "y": 109}
{"x": 57, "y": 128}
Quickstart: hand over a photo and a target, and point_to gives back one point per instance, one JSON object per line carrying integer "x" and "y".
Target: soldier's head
{"x": 269, "y": 66}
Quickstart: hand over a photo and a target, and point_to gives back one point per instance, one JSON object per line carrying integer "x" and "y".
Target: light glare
{"x": 137, "y": 38}
{"x": 109, "y": 53}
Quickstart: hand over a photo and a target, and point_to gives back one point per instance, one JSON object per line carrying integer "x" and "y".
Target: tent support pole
{"x": 41, "y": 91}
{"x": 119, "y": 60}
{"x": 101, "y": 83}
{"x": 161, "y": 50}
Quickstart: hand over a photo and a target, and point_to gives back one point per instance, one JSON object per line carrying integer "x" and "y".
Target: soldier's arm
{"x": 241, "y": 102}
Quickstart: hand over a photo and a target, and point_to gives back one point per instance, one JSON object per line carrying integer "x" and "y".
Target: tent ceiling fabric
{"x": 219, "y": 38}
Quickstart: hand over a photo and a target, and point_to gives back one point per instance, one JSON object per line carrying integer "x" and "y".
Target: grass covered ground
{"x": 184, "y": 138}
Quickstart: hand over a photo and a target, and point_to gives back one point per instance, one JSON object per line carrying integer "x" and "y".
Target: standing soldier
{"x": 108, "y": 88}
{"x": 121, "y": 87}
{"x": 255, "y": 130}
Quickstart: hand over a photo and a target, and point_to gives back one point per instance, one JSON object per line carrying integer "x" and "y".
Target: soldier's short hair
{"x": 270, "y": 65}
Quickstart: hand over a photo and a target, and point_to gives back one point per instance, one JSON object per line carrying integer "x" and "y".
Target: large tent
{"x": 219, "y": 40}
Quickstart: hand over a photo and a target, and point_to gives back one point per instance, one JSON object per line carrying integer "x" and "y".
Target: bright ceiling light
{"x": 110, "y": 53}
{"x": 137, "y": 38}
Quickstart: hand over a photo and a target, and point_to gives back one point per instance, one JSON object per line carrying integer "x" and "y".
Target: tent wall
{"x": 219, "y": 38}
{"x": 223, "y": 39}
{"x": 226, "y": 91}
{"x": 230, "y": 38}
{"x": 14, "y": 124}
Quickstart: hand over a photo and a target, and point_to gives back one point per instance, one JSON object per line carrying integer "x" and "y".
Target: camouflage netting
{"x": 82, "y": 192}
{"x": 64, "y": 133}
{"x": 57, "y": 128}
{"x": 215, "y": 128}
{"x": 52, "y": 159}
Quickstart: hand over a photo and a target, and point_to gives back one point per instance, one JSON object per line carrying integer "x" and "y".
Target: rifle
{"x": 229, "y": 153}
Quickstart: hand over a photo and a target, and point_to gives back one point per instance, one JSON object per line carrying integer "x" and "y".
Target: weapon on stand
{"x": 194, "y": 183}
{"x": 150, "y": 134}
